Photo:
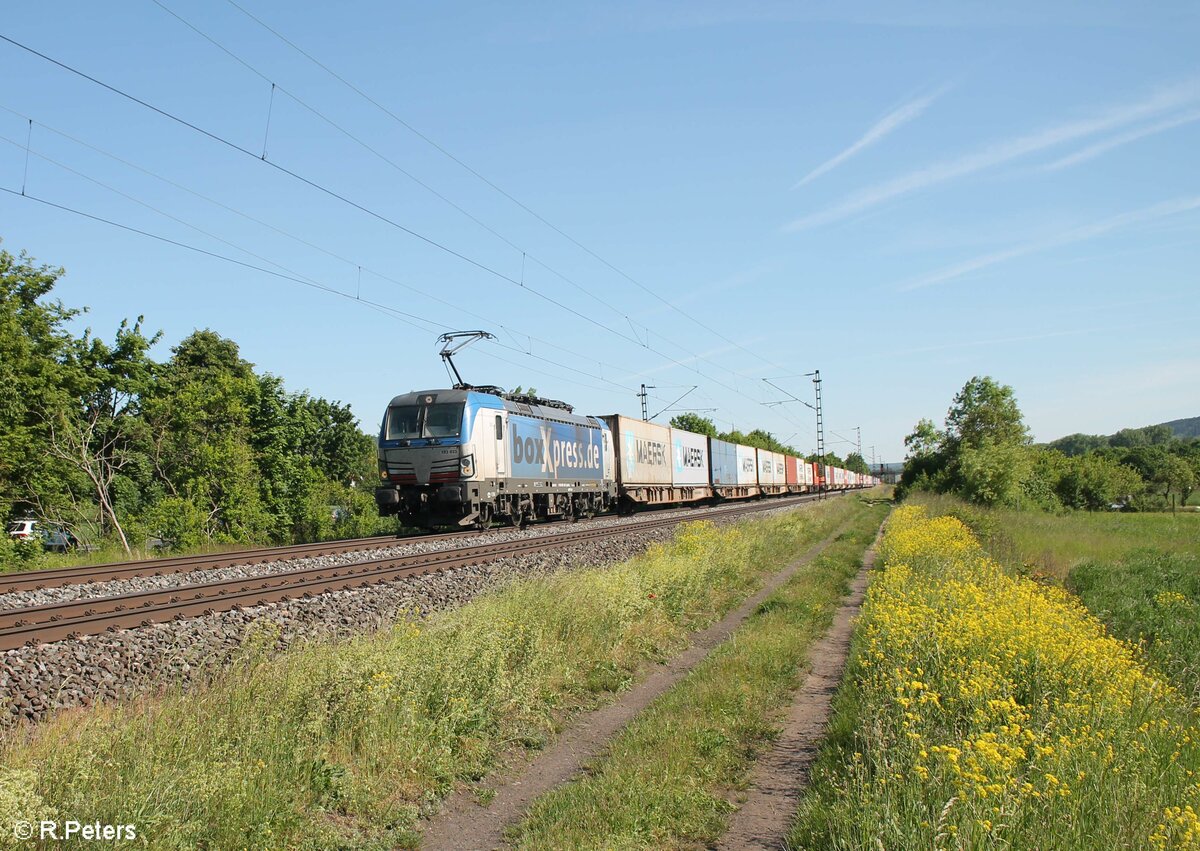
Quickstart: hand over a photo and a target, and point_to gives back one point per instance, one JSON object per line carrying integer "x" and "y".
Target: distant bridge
{"x": 889, "y": 473}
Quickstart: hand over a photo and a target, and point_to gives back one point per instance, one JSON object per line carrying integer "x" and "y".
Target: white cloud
{"x": 1079, "y": 234}
{"x": 1161, "y": 101}
{"x": 882, "y": 128}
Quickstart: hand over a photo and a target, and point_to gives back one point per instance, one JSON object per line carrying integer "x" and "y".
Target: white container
{"x": 689, "y": 457}
{"x": 747, "y": 469}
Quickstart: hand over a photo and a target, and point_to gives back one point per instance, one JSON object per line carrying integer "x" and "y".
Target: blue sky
{"x": 674, "y": 193}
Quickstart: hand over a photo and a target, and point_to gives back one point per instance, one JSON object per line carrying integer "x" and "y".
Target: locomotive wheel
{"x": 484, "y": 521}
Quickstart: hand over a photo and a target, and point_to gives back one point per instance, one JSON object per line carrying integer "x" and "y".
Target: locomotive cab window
{"x": 442, "y": 420}
{"x": 405, "y": 422}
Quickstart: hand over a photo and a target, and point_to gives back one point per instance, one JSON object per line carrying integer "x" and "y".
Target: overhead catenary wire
{"x": 357, "y": 266}
{"x": 350, "y": 202}
{"x": 315, "y": 185}
{"x": 408, "y": 317}
{"x": 525, "y": 254}
{"x": 500, "y": 190}
{"x": 285, "y": 273}
{"x": 334, "y": 194}
{"x": 413, "y": 320}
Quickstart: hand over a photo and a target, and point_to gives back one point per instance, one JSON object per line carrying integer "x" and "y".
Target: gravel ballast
{"x": 39, "y": 680}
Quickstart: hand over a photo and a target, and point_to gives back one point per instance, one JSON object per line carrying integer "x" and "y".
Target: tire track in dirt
{"x": 779, "y": 777}
{"x": 464, "y": 825}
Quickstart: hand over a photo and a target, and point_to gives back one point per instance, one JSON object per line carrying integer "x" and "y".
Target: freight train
{"x": 469, "y": 456}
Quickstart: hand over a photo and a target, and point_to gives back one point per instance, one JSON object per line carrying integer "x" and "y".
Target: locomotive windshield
{"x": 405, "y": 422}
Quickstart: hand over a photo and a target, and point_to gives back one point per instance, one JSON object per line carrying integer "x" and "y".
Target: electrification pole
{"x": 643, "y": 395}
{"x": 820, "y": 432}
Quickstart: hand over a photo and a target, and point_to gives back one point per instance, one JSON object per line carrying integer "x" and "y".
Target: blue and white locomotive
{"x": 472, "y": 456}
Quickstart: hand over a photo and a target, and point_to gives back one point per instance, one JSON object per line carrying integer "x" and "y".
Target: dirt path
{"x": 781, "y": 774}
{"x": 464, "y": 824}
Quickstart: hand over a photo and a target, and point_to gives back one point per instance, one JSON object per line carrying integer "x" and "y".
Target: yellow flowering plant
{"x": 989, "y": 710}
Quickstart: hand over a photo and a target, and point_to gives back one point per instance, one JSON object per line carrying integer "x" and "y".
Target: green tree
{"x": 992, "y": 472}
{"x": 924, "y": 459}
{"x": 1095, "y": 482}
{"x": 201, "y": 416}
{"x": 1190, "y": 453}
{"x": 1174, "y": 475}
{"x": 1079, "y": 444}
{"x": 99, "y": 435}
{"x": 984, "y": 412}
{"x": 855, "y": 463}
{"x": 1159, "y": 435}
{"x": 34, "y": 355}
{"x": 694, "y": 423}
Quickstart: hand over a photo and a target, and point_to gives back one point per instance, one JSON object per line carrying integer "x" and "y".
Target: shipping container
{"x": 733, "y": 473}
{"x": 724, "y": 462}
{"x": 690, "y": 455}
{"x": 646, "y": 468}
{"x": 644, "y": 451}
{"x": 772, "y": 476}
{"x": 747, "y": 465}
{"x": 792, "y": 472}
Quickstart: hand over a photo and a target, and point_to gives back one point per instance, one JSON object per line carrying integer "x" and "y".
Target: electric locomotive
{"x": 473, "y": 455}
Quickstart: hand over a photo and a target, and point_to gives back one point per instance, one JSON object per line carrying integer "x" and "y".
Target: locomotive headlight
{"x": 383, "y": 472}
{"x": 467, "y": 466}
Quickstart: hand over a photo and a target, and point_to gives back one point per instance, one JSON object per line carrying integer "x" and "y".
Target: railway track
{"x": 56, "y": 621}
{"x": 57, "y": 578}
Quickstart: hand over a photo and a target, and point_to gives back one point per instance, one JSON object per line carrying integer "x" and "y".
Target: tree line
{"x": 983, "y": 453}
{"x": 99, "y": 437}
{"x": 761, "y": 439}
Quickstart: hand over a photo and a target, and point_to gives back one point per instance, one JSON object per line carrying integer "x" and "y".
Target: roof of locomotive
{"x": 489, "y": 400}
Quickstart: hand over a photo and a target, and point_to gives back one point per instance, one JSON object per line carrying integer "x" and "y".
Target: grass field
{"x": 666, "y": 778}
{"x": 342, "y": 745}
{"x": 984, "y": 709}
{"x": 1054, "y": 544}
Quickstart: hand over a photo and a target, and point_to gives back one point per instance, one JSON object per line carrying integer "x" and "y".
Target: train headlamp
{"x": 467, "y": 466}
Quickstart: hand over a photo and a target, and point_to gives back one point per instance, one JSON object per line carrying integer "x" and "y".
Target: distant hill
{"x": 1162, "y": 433}
{"x": 1185, "y": 428}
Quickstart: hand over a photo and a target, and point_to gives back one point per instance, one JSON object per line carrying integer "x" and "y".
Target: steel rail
{"x": 56, "y": 578}
{"x": 56, "y": 621}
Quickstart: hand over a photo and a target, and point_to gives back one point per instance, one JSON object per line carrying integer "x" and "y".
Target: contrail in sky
{"x": 1107, "y": 145}
{"x": 1078, "y": 234}
{"x": 999, "y": 153}
{"x": 882, "y": 128}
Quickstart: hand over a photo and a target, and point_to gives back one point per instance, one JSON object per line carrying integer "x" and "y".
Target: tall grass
{"x": 343, "y": 745}
{"x": 666, "y": 778}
